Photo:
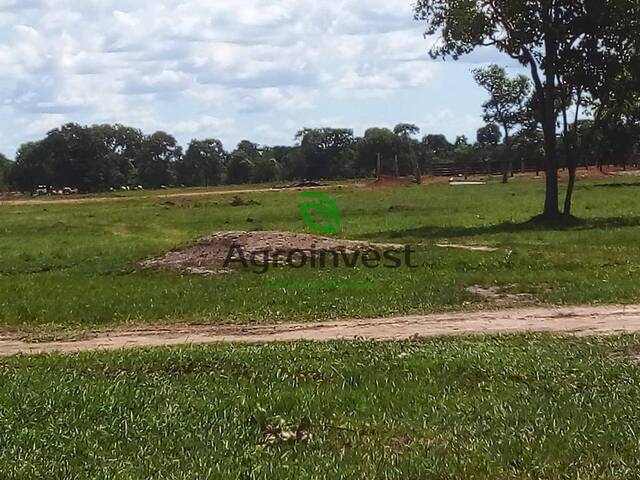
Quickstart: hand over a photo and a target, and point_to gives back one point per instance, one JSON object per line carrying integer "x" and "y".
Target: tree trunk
{"x": 569, "y": 197}
{"x": 572, "y": 153}
{"x": 547, "y": 94}
{"x": 551, "y": 208}
{"x": 507, "y": 165}
{"x": 551, "y": 194}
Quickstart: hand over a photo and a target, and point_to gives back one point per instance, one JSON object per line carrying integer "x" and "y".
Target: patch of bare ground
{"x": 500, "y": 296}
{"x": 470, "y": 248}
{"x": 209, "y": 255}
{"x": 580, "y": 321}
{"x": 390, "y": 182}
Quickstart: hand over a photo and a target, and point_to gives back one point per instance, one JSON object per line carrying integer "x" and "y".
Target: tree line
{"x": 102, "y": 157}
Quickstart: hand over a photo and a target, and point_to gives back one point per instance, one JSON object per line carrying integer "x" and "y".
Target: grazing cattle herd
{"x": 49, "y": 190}
{"x": 42, "y": 190}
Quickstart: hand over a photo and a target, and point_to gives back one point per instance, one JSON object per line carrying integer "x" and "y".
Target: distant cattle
{"x": 41, "y": 190}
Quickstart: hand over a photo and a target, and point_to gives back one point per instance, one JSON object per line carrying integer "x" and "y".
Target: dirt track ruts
{"x": 106, "y": 199}
{"x": 583, "y": 321}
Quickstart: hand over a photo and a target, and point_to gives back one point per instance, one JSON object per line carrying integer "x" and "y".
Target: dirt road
{"x": 583, "y": 321}
{"x": 115, "y": 198}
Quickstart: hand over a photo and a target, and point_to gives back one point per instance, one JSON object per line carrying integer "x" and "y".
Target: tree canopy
{"x": 102, "y": 157}
{"x": 5, "y": 172}
{"x": 555, "y": 39}
{"x": 507, "y": 104}
{"x": 203, "y": 164}
{"x": 490, "y": 134}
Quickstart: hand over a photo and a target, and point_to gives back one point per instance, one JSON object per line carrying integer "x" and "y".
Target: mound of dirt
{"x": 208, "y": 255}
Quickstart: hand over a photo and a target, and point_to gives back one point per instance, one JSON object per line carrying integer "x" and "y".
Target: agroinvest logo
{"x": 327, "y": 218}
{"x": 321, "y": 214}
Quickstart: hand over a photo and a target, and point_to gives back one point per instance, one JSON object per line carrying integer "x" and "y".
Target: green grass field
{"x": 68, "y": 266}
{"x": 511, "y": 408}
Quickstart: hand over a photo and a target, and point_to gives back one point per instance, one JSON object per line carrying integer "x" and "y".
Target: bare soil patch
{"x": 208, "y": 255}
{"x": 389, "y": 182}
{"x": 470, "y": 248}
{"x": 499, "y": 296}
{"x": 580, "y": 321}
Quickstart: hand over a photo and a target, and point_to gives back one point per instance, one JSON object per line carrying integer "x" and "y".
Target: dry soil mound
{"x": 208, "y": 255}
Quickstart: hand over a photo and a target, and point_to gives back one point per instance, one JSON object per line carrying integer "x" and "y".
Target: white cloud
{"x": 206, "y": 126}
{"x": 196, "y": 66}
{"x": 452, "y": 124}
{"x": 45, "y": 123}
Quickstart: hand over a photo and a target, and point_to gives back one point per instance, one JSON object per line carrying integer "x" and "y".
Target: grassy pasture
{"x": 509, "y": 408}
{"x": 516, "y": 407}
{"x": 74, "y": 265}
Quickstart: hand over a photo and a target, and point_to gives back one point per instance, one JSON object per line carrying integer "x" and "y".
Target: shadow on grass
{"x": 533, "y": 225}
{"x": 611, "y": 185}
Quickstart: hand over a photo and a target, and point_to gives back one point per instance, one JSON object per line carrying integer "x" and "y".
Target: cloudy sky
{"x": 256, "y": 69}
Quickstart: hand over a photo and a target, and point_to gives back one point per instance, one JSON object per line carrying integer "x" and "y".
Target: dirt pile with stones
{"x": 209, "y": 255}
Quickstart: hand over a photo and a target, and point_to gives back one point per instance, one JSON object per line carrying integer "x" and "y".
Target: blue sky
{"x": 257, "y": 69}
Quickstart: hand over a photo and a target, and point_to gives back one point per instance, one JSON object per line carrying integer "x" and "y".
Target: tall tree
{"x": 5, "y": 172}
{"x": 252, "y": 150}
{"x": 406, "y": 130}
{"x": 118, "y": 147}
{"x": 528, "y": 146}
{"x": 294, "y": 164}
{"x": 463, "y": 153}
{"x": 437, "y": 144}
{"x": 67, "y": 156}
{"x": 543, "y": 35}
{"x": 488, "y": 139}
{"x": 408, "y": 148}
{"x": 507, "y": 105}
{"x": 202, "y": 164}
{"x": 433, "y": 147}
{"x": 156, "y": 160}
{"x": 32, "y": 167}
{"x": 265, "y": 169}
{"x": 490, "y": 134}
{"x": 326, "y": 151}
{"x": 378, "y": 142}
{"x": 239, "y": 168}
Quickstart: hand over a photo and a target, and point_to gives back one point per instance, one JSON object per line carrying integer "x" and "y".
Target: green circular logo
{"x": 320, "y": 213}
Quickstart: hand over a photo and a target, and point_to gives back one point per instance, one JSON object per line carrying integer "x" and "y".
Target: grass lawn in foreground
{"x": 75, "y": 265}
{"x": 477, "y": 408}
